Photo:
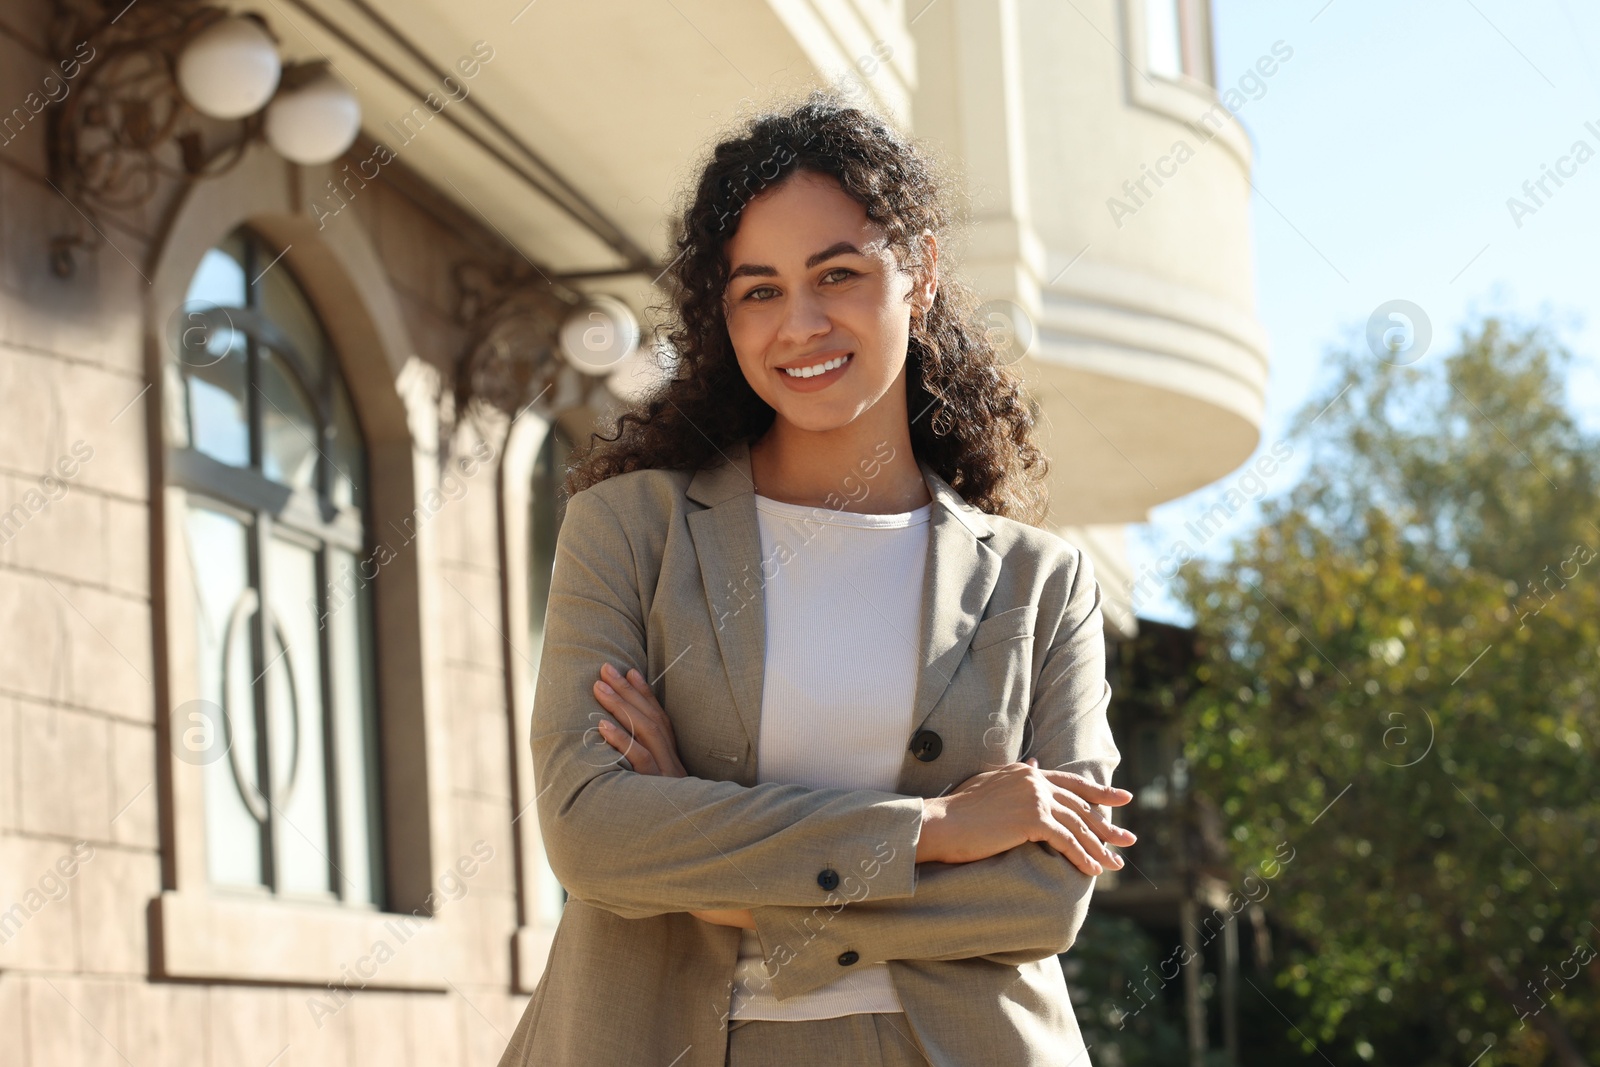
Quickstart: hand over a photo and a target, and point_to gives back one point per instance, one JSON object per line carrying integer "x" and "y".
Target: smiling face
{"x": 815, "y": 287}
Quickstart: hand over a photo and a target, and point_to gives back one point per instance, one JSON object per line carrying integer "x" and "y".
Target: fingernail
{"x": 608, "y": 670}
{"x": 604, "y": 688}
{"x": 1117, "y": 862}
{"x": 636, "y": 676}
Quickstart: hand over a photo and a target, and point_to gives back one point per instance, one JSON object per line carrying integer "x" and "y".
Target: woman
{"x": 819, "y": 739}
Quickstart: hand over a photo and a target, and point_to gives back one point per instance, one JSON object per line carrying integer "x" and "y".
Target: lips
{"x": 808, "y": 374}
{"x": 815, "y": 370}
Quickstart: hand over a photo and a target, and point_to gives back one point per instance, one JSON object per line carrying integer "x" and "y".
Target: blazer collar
{"x": 959, "y": 577}
{"x": 731, "y": 477}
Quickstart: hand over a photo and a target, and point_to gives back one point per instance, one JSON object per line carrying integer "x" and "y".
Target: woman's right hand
{"x": 997, "y": 810}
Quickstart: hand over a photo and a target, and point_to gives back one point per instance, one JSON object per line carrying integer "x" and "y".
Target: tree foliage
{"x": 1401, "y": 678}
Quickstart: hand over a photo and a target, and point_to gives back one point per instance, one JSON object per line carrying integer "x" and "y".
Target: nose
{"x": 804, "y": 319}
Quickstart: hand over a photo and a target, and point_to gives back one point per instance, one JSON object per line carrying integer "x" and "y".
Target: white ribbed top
{"x": 843, "y": 618}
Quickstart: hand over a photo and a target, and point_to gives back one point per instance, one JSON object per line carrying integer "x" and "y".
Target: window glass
{"x": 217, "y": 379}
{"x": 285, "y": 306}
{"x": 220, "y": 278}
{"x": 1163, "y": 41}
{"x": 285, "y": 656}
{"x": 289, "y": 428}
{"x": 294, "y": 700}
{"x": 221, "y": 732}
{"x": 347, "y": 458}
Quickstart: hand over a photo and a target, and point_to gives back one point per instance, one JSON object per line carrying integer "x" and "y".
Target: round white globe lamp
{"x": 229, "y": 69}
{"x": 599, "y": 334}
{"x": 314, "y": 122}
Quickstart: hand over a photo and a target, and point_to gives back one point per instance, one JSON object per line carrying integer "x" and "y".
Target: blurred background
{"x": 305, "y": 306}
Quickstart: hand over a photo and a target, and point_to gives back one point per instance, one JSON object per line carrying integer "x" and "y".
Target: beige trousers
{"x": 866, "y": 1039}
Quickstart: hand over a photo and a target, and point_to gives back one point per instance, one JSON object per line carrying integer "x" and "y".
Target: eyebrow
{"x": 761, "y": 271}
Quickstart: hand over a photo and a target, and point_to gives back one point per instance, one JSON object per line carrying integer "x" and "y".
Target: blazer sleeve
{"x": 642, "y": 845}
{"x": 1022, "y": 905}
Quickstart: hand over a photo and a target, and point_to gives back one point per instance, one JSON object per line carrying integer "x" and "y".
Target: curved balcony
{"x": 1111, "y": 204}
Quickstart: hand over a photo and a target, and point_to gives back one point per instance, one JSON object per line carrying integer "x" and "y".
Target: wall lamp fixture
{"x": 175, "y": 90}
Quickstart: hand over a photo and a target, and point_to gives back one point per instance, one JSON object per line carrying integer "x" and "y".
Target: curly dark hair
{"x": 971, "y": 420}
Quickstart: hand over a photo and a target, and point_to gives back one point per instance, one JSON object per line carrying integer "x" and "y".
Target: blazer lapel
{"x": 959, "y": 576}
{"x": 727, "y": 542}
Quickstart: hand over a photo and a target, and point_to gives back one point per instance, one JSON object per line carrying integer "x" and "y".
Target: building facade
{"x": 270, "y": 600}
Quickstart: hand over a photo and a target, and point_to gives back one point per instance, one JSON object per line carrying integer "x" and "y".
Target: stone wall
{"x": 86, "y": 830}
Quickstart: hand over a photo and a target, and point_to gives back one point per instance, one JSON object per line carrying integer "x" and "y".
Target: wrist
{"x": 930, "y": 839}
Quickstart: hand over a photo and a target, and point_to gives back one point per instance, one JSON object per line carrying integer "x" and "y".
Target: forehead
{"x": 808, "y": 212}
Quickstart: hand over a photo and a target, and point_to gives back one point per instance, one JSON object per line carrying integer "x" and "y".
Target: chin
{"x": 814, "y": 421}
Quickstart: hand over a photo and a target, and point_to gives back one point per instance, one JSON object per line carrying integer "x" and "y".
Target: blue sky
{"x": 1385, "y": 154}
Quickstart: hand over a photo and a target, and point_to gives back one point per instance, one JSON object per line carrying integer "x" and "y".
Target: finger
{"x": 638, "y": 696}
{"x": 631, "y": 680}
{"x": 608, "y": 733}
{"x": 635, "y": 726}
{"x": 648, "y": 735}
{"x": 1098, "y": 823}
{"x": 1065, "y": 842}
{"x": 637, "y": 680}
{"x": 1100, "y": 832}
{"x": 634, "y": 704}
{"x": 638, "y": 716}
{"x": 648, "y": 695}
{"x": 1091, "y": 845}
{"x": 1110, "y": 832}
{"x": 635, "y": 695}
{"x": 600, "y": 730}
{"x": 1088, "y": 788}
{"x": 619, "y": 739}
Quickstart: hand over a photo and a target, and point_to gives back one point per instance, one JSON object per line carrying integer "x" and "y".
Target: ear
{"x": 922, "y": 296}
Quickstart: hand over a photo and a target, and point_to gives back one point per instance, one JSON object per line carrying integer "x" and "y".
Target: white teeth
{"x": 821, "y": 368}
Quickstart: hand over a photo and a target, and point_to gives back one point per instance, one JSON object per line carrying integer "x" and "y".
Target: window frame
{"x": 519, "y": 470}
{"x": 306, "y": 517}
{"x": 1193, "y": 102}
{"x": 199, "y": 932}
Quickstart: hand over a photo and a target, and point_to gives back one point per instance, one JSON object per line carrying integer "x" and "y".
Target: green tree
{"x": 1401, "y": 678}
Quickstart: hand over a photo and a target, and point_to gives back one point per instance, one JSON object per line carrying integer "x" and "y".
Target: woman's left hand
{"x": 646, "y": 738}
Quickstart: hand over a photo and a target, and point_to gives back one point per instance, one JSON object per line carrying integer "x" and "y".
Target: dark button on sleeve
{"x": 926, "y": 745}
{"x": 828, "y": 879}
{"x": 847, "y": 958}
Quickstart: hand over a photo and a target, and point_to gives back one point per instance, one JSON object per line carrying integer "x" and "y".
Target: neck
{"x": 853, "y": 468}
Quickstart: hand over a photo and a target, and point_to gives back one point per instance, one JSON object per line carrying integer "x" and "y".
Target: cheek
{"x": 886, "y": 327}
{"x": 747, "y": 343}
{"x": 883, "y": 310}
{"x": 750, "y": 341}
{"x": 749, "y": 333}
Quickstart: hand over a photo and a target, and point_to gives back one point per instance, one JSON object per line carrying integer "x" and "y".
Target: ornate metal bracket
{"x": 511, "y": 360}
{"x": 123, "y": 128}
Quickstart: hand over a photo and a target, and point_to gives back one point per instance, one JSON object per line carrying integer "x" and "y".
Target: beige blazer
{"x": 661, "y": 570}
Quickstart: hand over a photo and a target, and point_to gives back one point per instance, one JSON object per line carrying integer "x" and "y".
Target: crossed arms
{"x": 640, "y": 845}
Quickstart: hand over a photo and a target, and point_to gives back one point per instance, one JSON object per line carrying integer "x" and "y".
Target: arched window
{"x": 264, "y": 440}
{"x": 547, "y": 506}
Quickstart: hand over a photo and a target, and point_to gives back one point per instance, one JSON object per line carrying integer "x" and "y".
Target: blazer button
{"x": 926, "y": 745}
{"x": 829, "y": 878}
{"x": 847, "y": 958}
